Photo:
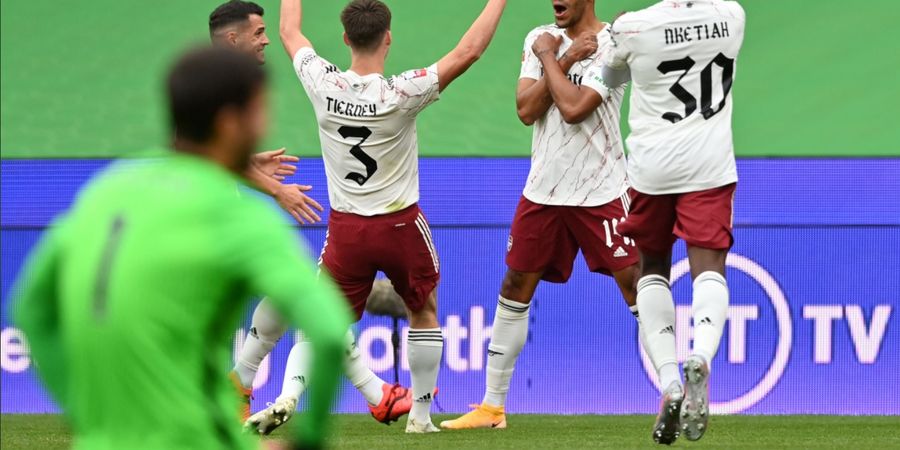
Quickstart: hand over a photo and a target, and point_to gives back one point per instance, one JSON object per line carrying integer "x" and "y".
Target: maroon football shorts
{"x": 702, "y": 219}
{"x": 546, "y": 239}
{"x": 398, "y": 244}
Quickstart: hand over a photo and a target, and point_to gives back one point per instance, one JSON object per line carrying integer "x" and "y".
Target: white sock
{"x": 266, "y": 328}
{"x": 668, "y": 374}
{"x": 510, "y": 330}
{"x": 296, "y": 371}
{"x": 423, "y": 349}
{"x": 642, "y": 337}
{"x": 709, "y": 310}
{"x": 657, "y": 310}
{"x": 364, "y": 380}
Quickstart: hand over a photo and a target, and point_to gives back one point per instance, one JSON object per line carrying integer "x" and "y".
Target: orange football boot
{"x": 244, "y": 394}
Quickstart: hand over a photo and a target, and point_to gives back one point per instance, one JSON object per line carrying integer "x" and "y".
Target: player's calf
{"x": 425, "y": 346}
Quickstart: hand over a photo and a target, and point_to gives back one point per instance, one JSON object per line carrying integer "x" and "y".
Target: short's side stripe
{"x": 425, "y": 237}
{"x": 322, "y": 256}
{"x": 430, "y": 239}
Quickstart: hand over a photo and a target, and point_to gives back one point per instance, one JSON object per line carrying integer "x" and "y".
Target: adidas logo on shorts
{"x": 620, "y": 253}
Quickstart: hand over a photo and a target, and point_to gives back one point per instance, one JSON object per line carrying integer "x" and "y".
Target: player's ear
{"x": 231, "y": 37}
{"x": 388, "y": 38}
{"x": 346, "y": 40}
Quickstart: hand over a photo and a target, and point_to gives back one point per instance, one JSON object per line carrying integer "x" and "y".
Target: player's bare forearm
{"x": 290, "y": 197}
{"x": 290, "y": 27}
{"x": 472, "y": 45}
{"x": 261, "y": 181}
{"x": 533, "y": 98}
{"x": 574, "y": 103}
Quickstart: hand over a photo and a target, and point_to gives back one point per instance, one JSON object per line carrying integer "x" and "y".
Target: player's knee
{"x": 627, "y": 280}
{"x": 519, "y": 286}
{"x": 267, "y": 323}
{"x": 655, "y": 265}
{"x": 706, "y": 260}
{"x": 423, "y": 318}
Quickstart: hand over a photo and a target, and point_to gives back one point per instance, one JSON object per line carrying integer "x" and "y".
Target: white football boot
{"x": 275, "y": 415}
{"x": 695, "y": 410}
{"x": 666, "y": 430}
{"x": 415, "y": 427}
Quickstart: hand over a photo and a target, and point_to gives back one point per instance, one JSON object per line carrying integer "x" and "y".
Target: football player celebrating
{"x": 367, "y": 128}
{"x": 681, "y": 56}
{"x": 575, "y": 195}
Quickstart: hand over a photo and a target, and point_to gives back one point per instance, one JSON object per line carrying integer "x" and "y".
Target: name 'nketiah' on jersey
{"x": 683, "y": 59}
{"x": 367, "y": 128}
{"x": 579, "y": 164}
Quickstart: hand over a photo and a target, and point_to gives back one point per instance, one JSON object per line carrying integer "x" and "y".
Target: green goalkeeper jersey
{"x": 131, "y": 301}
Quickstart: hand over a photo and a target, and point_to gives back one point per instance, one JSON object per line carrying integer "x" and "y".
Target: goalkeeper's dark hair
{"x": 202, "y": 83}
{"x": 366, "y": 22}
{"x": 232, "y": 12}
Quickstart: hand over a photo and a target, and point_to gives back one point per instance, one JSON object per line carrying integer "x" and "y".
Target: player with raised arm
{"x": 130, "y": 300}
{"x": 367, "y": 128}
{"x": 681, "y": 56}
{"x": 575, "y": 195}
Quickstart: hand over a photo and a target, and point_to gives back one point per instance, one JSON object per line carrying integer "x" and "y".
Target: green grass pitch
{"x": 552, "y": 432}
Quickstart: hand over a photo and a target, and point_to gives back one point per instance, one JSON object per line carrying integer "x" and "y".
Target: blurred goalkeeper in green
{"x": 129, "y": 303}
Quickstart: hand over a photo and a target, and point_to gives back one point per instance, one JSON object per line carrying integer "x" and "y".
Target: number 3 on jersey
{"x": 362, "y": 133}
{"x": 690, "y": 102}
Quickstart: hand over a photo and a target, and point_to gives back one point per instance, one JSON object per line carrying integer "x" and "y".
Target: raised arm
{"x": 574, "y": 103}
{"x": 290, "y": 27}
{"x": 472, "y": 45}
{"x": 533, "y": 97}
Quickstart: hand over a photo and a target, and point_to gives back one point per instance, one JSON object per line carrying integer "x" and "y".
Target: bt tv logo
{"x": 867, "y": 337}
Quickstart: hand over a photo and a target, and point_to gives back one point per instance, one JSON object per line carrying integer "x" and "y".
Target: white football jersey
{"x": 581, "y": 164}
{"x": 682, "y": 55}
{"x": 367, "y": 129}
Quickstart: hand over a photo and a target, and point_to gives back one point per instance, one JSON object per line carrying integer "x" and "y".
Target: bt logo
{"x": 867, "y": 339}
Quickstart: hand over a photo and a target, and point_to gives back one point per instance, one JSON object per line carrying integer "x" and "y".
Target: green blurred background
{"x": 82, "y": 79}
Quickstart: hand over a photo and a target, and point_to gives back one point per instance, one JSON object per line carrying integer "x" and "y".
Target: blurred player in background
{"x": 367, "y": 128}
{"x": 130, "y": 300}
{"x": 681, "y": 56}
{"x": 239, "y": 25}
{"x": 575, "y": 195}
